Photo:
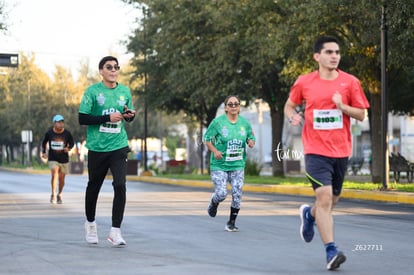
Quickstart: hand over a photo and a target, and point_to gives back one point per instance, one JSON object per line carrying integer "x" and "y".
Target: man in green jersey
{"x": 104, "y": 108}
{"x": 226, "y": 138}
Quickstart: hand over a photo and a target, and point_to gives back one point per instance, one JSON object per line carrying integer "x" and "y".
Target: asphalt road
{"x": 168, "y": 231}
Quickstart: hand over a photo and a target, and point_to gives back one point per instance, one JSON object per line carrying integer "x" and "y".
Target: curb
{"x": 28, "y": 170}
{"x": 382, "y": 196}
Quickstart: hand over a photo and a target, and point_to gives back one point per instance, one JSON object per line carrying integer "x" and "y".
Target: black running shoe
{"x": 212, "y": 208}
{"x": 231, "y": 227}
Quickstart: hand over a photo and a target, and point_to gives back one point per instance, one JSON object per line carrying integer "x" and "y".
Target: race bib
{"x": 57, "y": 145}
{"x": 110, "y": 127}
{"x": 327, "y": 119}
{"x": 234, "y": 154}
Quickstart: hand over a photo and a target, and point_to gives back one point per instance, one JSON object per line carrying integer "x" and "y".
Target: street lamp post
{"x": 201, "y": 147}
{"x": 145, "y": 155}
{"x": 384, "y": 98}
{"x": 29, "y": 126}
{"x": 259, "y": 111}
{"x": 145, "y": 124}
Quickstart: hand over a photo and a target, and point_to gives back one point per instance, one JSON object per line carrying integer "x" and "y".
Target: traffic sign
{"x": 9, "y": 60}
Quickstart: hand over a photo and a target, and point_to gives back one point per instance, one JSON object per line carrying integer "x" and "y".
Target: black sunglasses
{"x": 110, "y": 67}
{"x": 235, "y": 104}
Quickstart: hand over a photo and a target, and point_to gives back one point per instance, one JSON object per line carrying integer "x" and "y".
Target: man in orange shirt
{"x": 331, "y": 97}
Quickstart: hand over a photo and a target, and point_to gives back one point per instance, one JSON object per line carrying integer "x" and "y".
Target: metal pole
{"x": 145, "y": 98}
{"x": 29, "y": 124}
{"x": 384, "y": 98}
{"x": 145, "y": 127}
{"x": 201, "y": 147}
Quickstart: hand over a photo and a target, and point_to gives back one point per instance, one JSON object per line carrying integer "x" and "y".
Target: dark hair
{"x": 230, "y": 96}
{"x": 318, "y": 46}
{"x": 106, "y": 59}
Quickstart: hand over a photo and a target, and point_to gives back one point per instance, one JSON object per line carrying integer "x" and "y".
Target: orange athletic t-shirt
{"x": 326, "y": 130}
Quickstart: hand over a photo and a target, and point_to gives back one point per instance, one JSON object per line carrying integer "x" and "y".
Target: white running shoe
{"x": 115, "y": 237}
{"x": 52, "y": 199}
{"x": 91, "y": 232}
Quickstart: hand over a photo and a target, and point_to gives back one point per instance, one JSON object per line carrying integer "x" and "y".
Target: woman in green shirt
{"x": 226, "y": 138}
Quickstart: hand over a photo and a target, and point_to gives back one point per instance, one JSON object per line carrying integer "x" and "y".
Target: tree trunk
{"x": 10, "y": 155}
{"x": 193, "y": 154}
{"x": 376, "y": 137}
{"x": 277, "y": 129}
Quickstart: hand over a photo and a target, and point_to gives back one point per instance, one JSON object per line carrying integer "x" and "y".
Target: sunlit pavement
{"x": 168, "y": 231}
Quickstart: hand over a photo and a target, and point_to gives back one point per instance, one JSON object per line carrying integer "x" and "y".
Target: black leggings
{"x": 98, "y": 165}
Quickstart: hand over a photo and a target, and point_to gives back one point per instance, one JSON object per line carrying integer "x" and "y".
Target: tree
{"x": 198, "y": 52}
{"x": 176, "y": 43}
{"x": 357, "y": 25}
{"x": 3, "y": 16}
{"x": 30, "y": 99}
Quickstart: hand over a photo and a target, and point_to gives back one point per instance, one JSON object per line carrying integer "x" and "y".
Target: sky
{"x": 65, "y": 32}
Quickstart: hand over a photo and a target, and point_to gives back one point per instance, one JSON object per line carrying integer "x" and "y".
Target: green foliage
{"x": 154, "y": 167}
{"x": 172, "y": 142}
{"x": 175, "y": 169}
{"x": 3, "y": 16}
{"x": 37, "y": 166}
{"x": 29, "y": 100}
{"x": 363, "y": 184}
{"x": 197, "y": 52}
{"x": 252, "y": 167}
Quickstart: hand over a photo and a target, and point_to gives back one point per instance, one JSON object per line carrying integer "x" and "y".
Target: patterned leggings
{"x": 236, "y": 180}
